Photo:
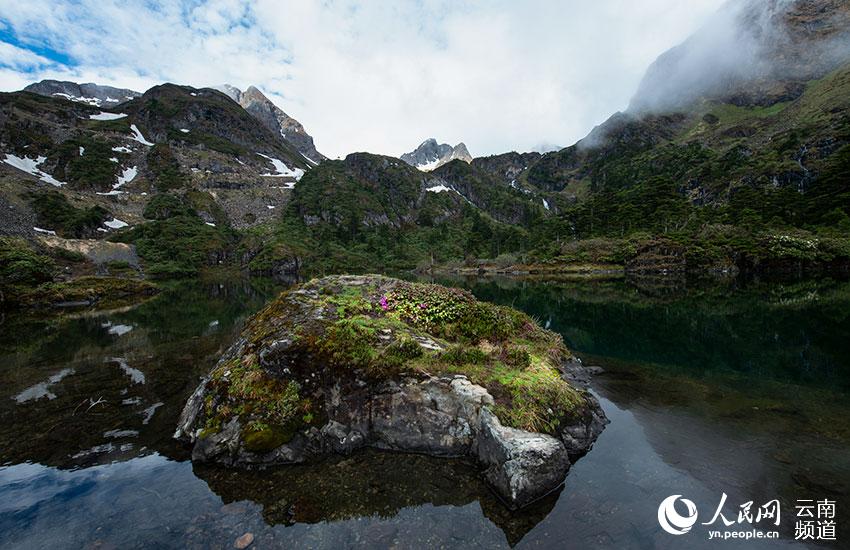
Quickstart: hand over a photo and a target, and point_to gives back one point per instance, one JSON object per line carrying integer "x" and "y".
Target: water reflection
{"x": 83, "y": 392}
{"x": 372, "y": 484}
{"x": 712, "y": 388}
{"x": 792, "y": 331}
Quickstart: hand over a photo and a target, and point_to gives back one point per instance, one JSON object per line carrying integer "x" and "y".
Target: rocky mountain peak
{"x": 230, "y": 91}
{"x": 430, "y": 154}
{"x": 273, "y": 118}
{"x": 88, "y": 93}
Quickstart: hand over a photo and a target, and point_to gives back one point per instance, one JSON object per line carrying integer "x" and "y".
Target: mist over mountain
{"x": 751, "y": 52}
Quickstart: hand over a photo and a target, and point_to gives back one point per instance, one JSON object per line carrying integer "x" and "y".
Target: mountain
{"x": 371, "y": 210}
{"x": 751, "y": 53}
{"x": 430, "y": 155}
{"x": 211, "y": 140}
{"x": 273, "y": 118}
{"x": 708, "y": 169}
{"x": 92, "y": 94}
{"x": 714, "y": 166}
{"x": 177, "y": 171}
{"x": 712, "y": 126}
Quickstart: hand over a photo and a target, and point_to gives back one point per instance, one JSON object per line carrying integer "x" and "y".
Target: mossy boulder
{"x": 345, "y": 362}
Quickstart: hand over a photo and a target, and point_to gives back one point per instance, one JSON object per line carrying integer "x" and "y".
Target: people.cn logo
{"x": 671, "y": 521}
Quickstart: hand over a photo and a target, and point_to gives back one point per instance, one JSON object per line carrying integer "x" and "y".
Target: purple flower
{"x": 422, "y": 306}
{"x": 383, "y": 303}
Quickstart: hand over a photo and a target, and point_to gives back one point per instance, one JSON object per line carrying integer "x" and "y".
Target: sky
{"x": 377, "y": 76}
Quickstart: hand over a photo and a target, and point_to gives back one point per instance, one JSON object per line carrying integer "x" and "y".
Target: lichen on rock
{"x": 344, "y": 362}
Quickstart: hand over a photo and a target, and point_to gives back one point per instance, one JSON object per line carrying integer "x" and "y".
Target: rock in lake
{"x": 345, "y": 362}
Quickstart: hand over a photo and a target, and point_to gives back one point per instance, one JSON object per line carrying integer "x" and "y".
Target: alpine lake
{"x": 713, "y": 387}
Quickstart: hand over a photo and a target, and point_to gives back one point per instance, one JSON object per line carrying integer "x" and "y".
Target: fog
{"x": 750, "y": 51}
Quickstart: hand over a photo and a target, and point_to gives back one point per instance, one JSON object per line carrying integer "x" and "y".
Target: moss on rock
{"x": 377, "y": 329}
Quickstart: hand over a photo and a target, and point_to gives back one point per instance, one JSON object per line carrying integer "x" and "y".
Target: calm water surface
{"x": 710, "y": 388}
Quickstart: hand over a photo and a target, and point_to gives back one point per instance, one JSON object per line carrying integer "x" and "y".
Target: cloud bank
{"x": 368, "y": 76}
{"x": 749, "y": 51}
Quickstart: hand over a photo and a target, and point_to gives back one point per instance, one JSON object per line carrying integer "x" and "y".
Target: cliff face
{"x": 278, "y": 122}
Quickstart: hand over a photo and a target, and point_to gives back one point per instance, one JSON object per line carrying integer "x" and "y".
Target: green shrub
{"x": 163, "y": 206}
{"x": 464, "y": 355}
{"x": 91, "y": 170}
{"x": 517, "y": 357}
{"x": 178, "y": 246}
{"x": 53, "y": 211}
{"x": 67, "y": 255}
{"x": 395, "y": 356}
{"x": 349, "y": 343}
{"x": 21, "y": 264}
{"x": 164, "y": 168}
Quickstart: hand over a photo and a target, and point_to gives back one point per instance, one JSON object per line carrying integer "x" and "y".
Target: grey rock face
{"x": 431, "y": 155}
{"x": 522, "y": 466}
{"x": 92, "y": 94}
{"x": 435, "y": 416}
{"x": 273, "y": 118}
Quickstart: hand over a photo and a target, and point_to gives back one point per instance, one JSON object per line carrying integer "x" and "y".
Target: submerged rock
{"x": 346, "y": 362}
{"x": 244, "y": 541}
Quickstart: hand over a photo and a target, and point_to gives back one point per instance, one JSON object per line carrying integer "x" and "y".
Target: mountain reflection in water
{"x": 711, "y": 388}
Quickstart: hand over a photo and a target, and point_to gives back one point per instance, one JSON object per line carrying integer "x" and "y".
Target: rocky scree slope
{"x": 345, "y": 362}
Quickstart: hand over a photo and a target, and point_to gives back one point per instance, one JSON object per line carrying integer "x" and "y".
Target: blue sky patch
{"x": 41, "y": 48}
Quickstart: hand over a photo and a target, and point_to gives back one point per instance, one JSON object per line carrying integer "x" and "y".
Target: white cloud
{"x": 19, "y": 58}
{"x": 375, "y": 76}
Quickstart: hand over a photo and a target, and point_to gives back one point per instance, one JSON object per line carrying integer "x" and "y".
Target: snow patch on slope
{"x": 282, "y": 170}
{"x": 115, "y": 223}
{"x": 80, "y": 99}
{"x": 428, "y": 166}
{"x": 443, "y": 188}
{"x": 30, "y": 166}
{"x": 107, "y": 116}
{"x": 439, "y": 189}
{"x": 308, "y": 159}
{"x": 137, "y": 135}
{"x": 127, "y": 175}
